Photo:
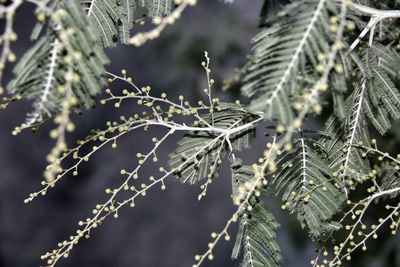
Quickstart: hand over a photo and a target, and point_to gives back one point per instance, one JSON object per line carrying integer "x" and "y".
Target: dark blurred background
{"x": 167, "y": 228}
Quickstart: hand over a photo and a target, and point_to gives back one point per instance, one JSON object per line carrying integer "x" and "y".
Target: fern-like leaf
{"x": 309, "y": 189}
{"x": 211, "y": 147}
{"x": 391, "y": 180}
{"x": 156, "y": 8}
{"x": 41, "y": 72}
{"x": 384, "y": 97}
{"x": 105, "y": 15}
{"x": 257, "y": 230}
{"x": 375, "y": 99}
{"x": 115, "y": 18}
{"x": 126, "y": 10}
{"x": 283, "y": 50}
{"x": 345, "y": 159}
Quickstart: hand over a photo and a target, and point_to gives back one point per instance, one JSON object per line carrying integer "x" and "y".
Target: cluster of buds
{"x": 359, "y": 230}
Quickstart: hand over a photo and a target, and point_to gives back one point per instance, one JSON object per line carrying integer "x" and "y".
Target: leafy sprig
{"x": 305, "y": 52}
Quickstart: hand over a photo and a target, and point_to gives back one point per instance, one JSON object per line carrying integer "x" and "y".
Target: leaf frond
{"x": 309, "y": 189}
{"x": 257, "y": 230}
{"x": 43, "y": 71}
{"x": 206, "y": 163}
{"x": 286, "y": 48}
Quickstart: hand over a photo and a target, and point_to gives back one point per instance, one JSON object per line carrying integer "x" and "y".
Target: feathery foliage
{"x": 339, "y": 59}
{"x": 206, "y": 163}
{"x": 257, "y": 235}
{"x": 156, "y": 8}
{"x": 383, "y": 100}
{"x": 391, "y": 180}
{"x": 106, "y": 15}
{"x": 309, "y": 188}
{"x": 257, "y": 230}
{"x": 282, "y": 51}
{"x": 344, "y": 158}
{"x": 116, "y": 18}
{"x": 375, "y": 100}
{"x": 126, "y": 9}
{"x": 42, "y": 73}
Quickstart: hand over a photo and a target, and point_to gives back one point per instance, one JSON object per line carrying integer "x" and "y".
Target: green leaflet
{"x": 376, "y": 100}
{"x": 339, "y": 85}
{"x": 257, "y": 230}
{"x": 41, "y": 71}
{"x": 240, "y": 175}
{"x": 105, "y": 15}
{"x": 345, "y": 159}
{"x": 288, "y": 46}
{"x": 204, "y": 150}
{"x": 115, "y": 18}
{"x": 309, "y": 189}
{"x": 126, "y": 11}
{"x": 156, "y": 8}
{"x": 391, "y": 180}
{"x": 258, "y": 234}
{"x": 383, "y": 100}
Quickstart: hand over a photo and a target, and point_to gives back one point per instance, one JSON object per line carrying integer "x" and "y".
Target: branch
{"x": 377, "y": 16}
